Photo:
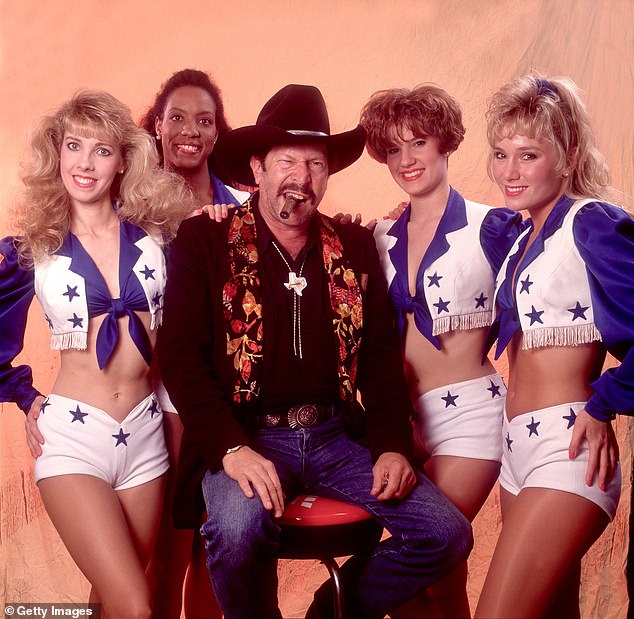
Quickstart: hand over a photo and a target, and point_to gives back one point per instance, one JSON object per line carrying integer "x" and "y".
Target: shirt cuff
{"x": 24, "y": 401}
{"x": 599, "y": 409}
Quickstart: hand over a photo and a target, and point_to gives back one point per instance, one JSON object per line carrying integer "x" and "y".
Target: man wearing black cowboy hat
{"x": 272, "y": 321}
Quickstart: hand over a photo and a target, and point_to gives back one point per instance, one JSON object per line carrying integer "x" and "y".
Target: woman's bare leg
{"x": 544, "y": 536}
{"x": 176, "y": 582}
{"x": 172, "y": 551}
{"x": 109, "y": 534}
{"x": 466, "y": 482}
{"x": 566, "y": 603}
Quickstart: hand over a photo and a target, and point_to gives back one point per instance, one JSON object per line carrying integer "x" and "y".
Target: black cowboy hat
{"x": 294, "y": 115}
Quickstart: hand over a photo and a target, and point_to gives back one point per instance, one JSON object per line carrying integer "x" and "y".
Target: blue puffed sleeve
{"x": 498, "y": 232}
{"x": 604, "y": 236}
{"x": 16, "y": 293}
{"x": 222, "y": 194}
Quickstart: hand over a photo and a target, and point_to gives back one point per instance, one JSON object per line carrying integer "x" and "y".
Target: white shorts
{"x": 463, "y": 419}
{"x": 80, "y": 438}
{"x": 163, "y": 397}
{"x": 536, "y": 456}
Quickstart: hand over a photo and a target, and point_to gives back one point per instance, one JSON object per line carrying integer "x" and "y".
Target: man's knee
{"x": 243, "y": 531}
{"x": 458, "y": 537}
{"x": 447, "y": 531}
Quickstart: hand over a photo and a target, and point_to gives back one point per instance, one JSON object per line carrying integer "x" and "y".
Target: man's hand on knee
{"x": 254, "y": 472}
{"x": 394, "y": 477}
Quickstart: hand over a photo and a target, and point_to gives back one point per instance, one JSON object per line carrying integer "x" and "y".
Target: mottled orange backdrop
{"x": 349, "y": 49}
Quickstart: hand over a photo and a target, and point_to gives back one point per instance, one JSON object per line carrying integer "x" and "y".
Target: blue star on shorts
{"x": 78, "y": 415}
{"x": 450, "y": 400}
{"x": 121, "y": 437}
{"x": 532, "y": 427}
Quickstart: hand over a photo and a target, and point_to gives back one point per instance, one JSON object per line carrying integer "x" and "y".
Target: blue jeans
{"x": 429, "y": 536}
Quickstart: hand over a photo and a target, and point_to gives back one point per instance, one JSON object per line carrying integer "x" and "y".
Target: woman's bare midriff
{"x": 549, "y": 376}
{"x": 459, "y": 358}
{"x": 116, "y": 389}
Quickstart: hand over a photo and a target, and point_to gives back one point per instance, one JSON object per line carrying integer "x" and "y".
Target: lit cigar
{"x": 289, "y": 205}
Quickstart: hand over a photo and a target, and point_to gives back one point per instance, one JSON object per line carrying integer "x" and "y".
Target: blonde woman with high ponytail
{"x": 562, "y": 301}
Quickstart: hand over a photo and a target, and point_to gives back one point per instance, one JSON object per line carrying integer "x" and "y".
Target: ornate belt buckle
{"x": 272, "y": 421}
{"x": 303, "y": 416}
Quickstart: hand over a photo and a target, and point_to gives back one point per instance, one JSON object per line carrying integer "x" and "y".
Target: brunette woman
{"x": 186, "y": 119}
{"x": 440, "y": 258}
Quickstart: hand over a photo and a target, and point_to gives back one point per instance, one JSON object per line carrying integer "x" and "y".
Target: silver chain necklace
{"x": 296, "y": 283}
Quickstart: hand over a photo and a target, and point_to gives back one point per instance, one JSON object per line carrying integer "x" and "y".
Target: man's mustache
{"x": 306, "y": 190}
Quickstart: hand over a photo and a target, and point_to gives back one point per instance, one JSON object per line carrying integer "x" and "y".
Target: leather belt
{"x": 300, "y": 416}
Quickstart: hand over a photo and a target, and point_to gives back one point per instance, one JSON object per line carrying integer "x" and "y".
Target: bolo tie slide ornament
{"x": 296, "y": 284}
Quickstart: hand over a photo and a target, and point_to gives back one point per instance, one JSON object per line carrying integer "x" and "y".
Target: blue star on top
{"x": 479, "y": 301}
{"x": 526, "y": 284}
{"x": 71, "y": 292}
{"x": 154, "y": 409}
{"x": 578, "y": 311}
{"x": 78, "y": 415}
{"x": 434, "y": 280}
{"x": 450, "y": 400}
{"x": 147, "y": 272}
{"x": 532, "y": 427}
{"x": 443, "y": 306}
{"x": 509, "y": 440}
{"x": 156, "y": 298}
{"x": 44, "y": 405}
{"x": 76, "y": 321}
{"x": 494, "y": 389}
{"x": 570, "y": 419}
{"x": 535, "y": 316}
{"x": 121, "y": 437}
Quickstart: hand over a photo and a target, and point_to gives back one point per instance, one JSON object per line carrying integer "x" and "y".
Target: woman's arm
{"x": 16, "y": 293}
{"x": 604, "y": 236}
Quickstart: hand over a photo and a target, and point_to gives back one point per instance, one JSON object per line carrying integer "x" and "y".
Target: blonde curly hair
{"x": 144, "y": 194}
{"x": 552, "y": 109}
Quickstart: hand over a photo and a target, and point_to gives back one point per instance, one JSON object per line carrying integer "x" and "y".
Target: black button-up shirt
{"x": 288, "y": 378}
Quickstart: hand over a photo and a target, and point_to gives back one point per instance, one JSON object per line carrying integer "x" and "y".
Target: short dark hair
{"x": 426, "y": 109}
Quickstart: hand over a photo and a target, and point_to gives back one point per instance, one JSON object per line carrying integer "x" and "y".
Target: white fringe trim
{"x": 157, "y": 319}
{"x": 63, "y": 341}
{"x": 560, "y": 336}
{"x": 462, "y": 323}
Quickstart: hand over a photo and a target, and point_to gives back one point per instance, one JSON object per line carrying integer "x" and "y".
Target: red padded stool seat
{"x": 316, "y": 527}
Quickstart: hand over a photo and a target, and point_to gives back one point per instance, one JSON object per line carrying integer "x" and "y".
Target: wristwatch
{"x": 232, "y": 450}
